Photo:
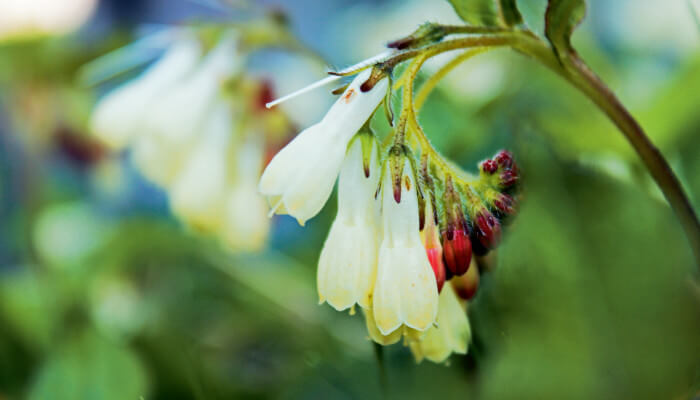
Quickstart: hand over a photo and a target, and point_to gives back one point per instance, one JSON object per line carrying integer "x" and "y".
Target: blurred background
{"x": 104, "y": 294}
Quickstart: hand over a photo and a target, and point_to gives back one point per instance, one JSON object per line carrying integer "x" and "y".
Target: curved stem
{"x": 580, "y": 76}
{"x": 430, "y": 84}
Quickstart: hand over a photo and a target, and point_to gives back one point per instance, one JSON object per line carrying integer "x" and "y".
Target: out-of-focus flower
{"x": 348, "y": 262}
{"x": 300, "y": 178}
{"x": 197, "y": 135}
{"x": 19, "y": 18}
{"x": 119, "y": 115}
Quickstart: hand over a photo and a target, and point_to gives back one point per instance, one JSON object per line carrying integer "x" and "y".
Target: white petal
{"x": 405, "y": 291}
{"x": 246, "y": 223}
{"x": 181, "y": 110}
{"x": 198, "y": 192}
{"x": 304, "y": 172}
{"x": 347, "y": 266}
{"x": 452, "y": 333}
{"x": 377, "y": 336}
{"x": 117, "y": 115}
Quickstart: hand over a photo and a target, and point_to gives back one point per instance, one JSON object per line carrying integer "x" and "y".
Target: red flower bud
{"x": 504, "y": 159}
{"x": 487, "y": 231}
{"x": 457, "y": 251}
{"x": 466, "y": 285}
{"x": 504, "y": 204}
{"x": 489, "y": 166}
{"x": 435, "y": 258}
{"x": 508, "y": 178}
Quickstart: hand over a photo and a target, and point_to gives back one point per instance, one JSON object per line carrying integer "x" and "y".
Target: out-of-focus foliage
{"x": 593, "y": 294}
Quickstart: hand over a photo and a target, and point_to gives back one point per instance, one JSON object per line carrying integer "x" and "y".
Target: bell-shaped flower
{"x": 300, "y": 178}
{"x": 451, "y": 335}
{"x": 348, "y": 263}
{"x": 197, "y": 193}
{"x": 405, "y": 292}
{"x": 246, "y": 225}
{"x": 119, "y": 115}
{"x": 174, "y": 123}
{"x": 178, "y": 116}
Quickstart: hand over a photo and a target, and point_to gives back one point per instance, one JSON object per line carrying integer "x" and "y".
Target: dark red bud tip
{"x": 508, "y": 178}
{"x": 505, "y": 204}
{"x": 489, "y": 166}
{"x": 400, "y": 44}
{"x": 467, "y": 285}
{"x": 487, "y": 230}
{"x": 457, "y": 252}
{"x": 397, "y": 193}
{"x": 504, "y": 158}
{"x": 436, "y": 263}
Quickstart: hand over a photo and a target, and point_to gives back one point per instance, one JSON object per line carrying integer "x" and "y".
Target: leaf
{"x": 561, "y": 18}
{"x": 88, "y": 366}
{"x": 477, "y": 12}
{"x": 509, "y": 12}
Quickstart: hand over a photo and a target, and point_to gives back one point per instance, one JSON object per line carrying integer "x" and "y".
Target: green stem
{"x": 580, "y": 76}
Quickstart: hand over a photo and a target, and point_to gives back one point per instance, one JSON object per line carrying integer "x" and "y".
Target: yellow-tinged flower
{"x": 405, "y": 292}
{"x": 246, "y": 224}
{"x": 348, "y": 264}
{"x": 174, "y": 122}
{"x": 119, "y": 115}
{"x": 451, "y": 335}
{"x": 198, "y": 190}
{"x": 300, "y": 178}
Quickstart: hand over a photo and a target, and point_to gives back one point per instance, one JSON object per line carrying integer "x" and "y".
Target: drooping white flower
{"x": 451, "y": 335}
{"x": 175, "y": 120}
{"x": 197, "y": 193}
{"x": 119, "y": 115}
{"x": 405, "y": 292}
{"x": 246, "y": 225}
{"x": 348, "y": 262}
{"x": 300, "y": 178}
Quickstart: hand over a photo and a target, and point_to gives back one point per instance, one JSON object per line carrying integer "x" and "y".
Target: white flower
{"x": 451, "y": 335}
{"x": 348, "y": 264}
{"x": 176, "y": 118}
{"x": 119, "y": 115}
{"x": 197, "y": 193}
{"x": 246, "y": 224}
{"x": 405, "y": 292}
{"x": 300, "y": 178}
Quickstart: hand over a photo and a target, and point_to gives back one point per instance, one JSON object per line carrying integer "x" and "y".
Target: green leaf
{"x": 488, "y": 12}
{"x": 561, "y": 18}
{"x": 88, "y": 366}
{"x": 509, "y": 12}
{"x": 477, "y": 12}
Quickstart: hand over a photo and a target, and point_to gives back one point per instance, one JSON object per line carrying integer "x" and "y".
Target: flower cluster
{"x": 192, "y": 136}
{"x": 406, "y": 223}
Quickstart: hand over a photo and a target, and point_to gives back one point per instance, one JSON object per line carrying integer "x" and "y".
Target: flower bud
{"x": 456, "y": 245}
{"x": 487, "y": 231}
{"x": 504, "y": 159}
{"x": 489, "y": 166}
{"x": 457, "y": 251}
{"x": 466, "y": 285}
{"x": 504, "y": 205}
{"x": 431, "y": 240}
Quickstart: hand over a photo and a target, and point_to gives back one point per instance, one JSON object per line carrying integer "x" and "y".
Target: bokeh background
{"x": 105, "y": 295}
